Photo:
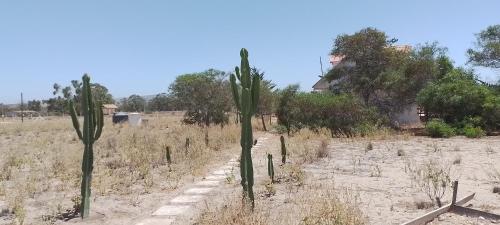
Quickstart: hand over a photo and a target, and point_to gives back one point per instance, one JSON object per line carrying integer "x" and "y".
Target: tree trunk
{"x": 263, "y": 122}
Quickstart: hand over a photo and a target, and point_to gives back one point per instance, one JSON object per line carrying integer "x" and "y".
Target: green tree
{"x": 458, "y": 99}
{"x": 267, "y": 96}
{"x": 101, "y": 94}
{"x": 35, "y": 105}
{"x": 133, "y": 103}
{"x": 161, "y": 102}
{"x": 365, "y": 56}
{"x": 285, "y": 107}
{"x": 205, "y": 96}
{"x": 487, "y": 49}
{"x": 342, "y": 114}
{"x": 382, "y": 74}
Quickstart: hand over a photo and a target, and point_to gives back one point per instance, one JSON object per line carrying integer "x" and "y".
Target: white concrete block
{"x": 156, "y": 221}
{"x": 171, "y": 210}
{"x": 186, "y": 199}
{"x": 198, "y": 191}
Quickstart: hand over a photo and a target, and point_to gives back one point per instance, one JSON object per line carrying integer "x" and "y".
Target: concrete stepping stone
{"x": 186, "y": 199}
{"x": 156, "y": 221}
{"x": 210, "y": 183}
{"x": 215, "y": 177}
{"x": 198, "y": 191}
{"x": 171, "y": 210}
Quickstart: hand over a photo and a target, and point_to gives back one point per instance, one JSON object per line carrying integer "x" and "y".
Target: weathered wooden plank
{"x": 433, "y": 214}
{"x": 474, "y": 213}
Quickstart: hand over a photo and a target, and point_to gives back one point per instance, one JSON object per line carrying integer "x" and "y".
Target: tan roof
{"x": 110, "y": 106}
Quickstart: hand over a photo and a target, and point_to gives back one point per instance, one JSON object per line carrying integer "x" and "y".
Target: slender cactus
{"x": 283, "y": 149}
{"x": 270, "y": 167}
{"x": 92, "y": 128}
{"x": 188, "y": 143}
{"x": 167, "y": 154}
{"x": 246, "y": 98}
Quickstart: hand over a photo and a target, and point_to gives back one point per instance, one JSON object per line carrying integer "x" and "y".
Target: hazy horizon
{"x": 140, "y": 47}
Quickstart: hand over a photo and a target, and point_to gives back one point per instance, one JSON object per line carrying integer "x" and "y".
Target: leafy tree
{"x": 284, "y": 107}
{"x": 133, "y": 103}
{"x": 206, "y": 96}
{"x": 458, "y": 98}
{"x": 406, "y": 77}
{"x": 342, "y": 114}
{"x": 162, "y": 102}
{"x": 487, "y": 51}
{"x": 35, "y": 105}
{"x": 266, "y": 96}
{"x": 382, "y": 74}
{"x": 365, "y": 57}
{"x": 73, "y": 92}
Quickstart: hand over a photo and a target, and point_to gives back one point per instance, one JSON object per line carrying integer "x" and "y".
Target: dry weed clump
{"x": 312, "y": 207}
{"x": 326, "y": 207}
{"x": 234, "y": 213}
{"x": 432, "y": 177}
{"x": 308, "y": 146}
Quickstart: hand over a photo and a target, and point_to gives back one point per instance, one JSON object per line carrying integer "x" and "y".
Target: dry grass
{"x": 42, "y": 159}
{"x": 313, "y": 206}
{"x": 432, "y": 177}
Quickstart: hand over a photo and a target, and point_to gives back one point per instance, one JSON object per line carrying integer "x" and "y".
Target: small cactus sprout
{"x": 167, "y": 154}
{"x": 270, "y": 167}
{"x": 246, "y": 98}
{"x": 283, "y": 150}
{"x": 187, "y": 145}
{"x": 92, "y": 128}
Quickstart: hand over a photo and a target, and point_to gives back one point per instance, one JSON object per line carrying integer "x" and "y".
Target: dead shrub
{"x": 432, "y": 178}
{"x": 322, "y": 150}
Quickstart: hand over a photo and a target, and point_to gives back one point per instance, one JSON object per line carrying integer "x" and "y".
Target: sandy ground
{"x": 387, "y": 195}
{"x": 377, "y": 181}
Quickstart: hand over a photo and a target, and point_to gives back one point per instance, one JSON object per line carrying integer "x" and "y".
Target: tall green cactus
{"x": 246, "y": 97}
{"x": 92, "y": 128}
{"x": 270, "y": 167}
{"x": 283, "y": 149}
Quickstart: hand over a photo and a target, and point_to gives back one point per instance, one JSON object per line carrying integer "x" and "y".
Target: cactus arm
{"x": 74, "y": 119}
{"x": 255, "y": 93}
{"x": 245, "y": 69}
{"x": 234, "y": 89}
{"x": 91, "y": 108}
{"x": 237, "y": 69}
{"x": 86, "y": 115}
{"x": 100, "y": 122}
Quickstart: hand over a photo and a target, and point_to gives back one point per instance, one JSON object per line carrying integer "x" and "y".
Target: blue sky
{"x": 141, "y": 46}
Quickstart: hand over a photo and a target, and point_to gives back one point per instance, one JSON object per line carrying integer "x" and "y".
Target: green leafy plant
{"x": 92, "y": 128}
{"x": 246, "y": 97}
{"x": 473, "y": 132}
{"x": 437, "y": 128}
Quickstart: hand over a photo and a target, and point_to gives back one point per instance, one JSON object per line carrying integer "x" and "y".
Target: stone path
{"x": 185, "y": 203}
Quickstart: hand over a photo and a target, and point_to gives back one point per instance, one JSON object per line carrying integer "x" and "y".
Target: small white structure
{"x": 134, "y": 119}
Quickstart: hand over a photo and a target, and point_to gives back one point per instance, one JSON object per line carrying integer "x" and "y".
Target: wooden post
{"x": 22, "y": 108}
{"x": 455, "y": 189}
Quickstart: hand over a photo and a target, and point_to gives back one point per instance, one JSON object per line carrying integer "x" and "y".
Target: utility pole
{"x": 321, "y": 65}
{"x": 22, "y": 108}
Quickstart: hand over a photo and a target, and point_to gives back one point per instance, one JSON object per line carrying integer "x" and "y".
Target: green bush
{"x": 460, "y": 100}
{"x": 437, "y": 128}
{"x": 343, "y": 115}
{"x": 473, "y": 132}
